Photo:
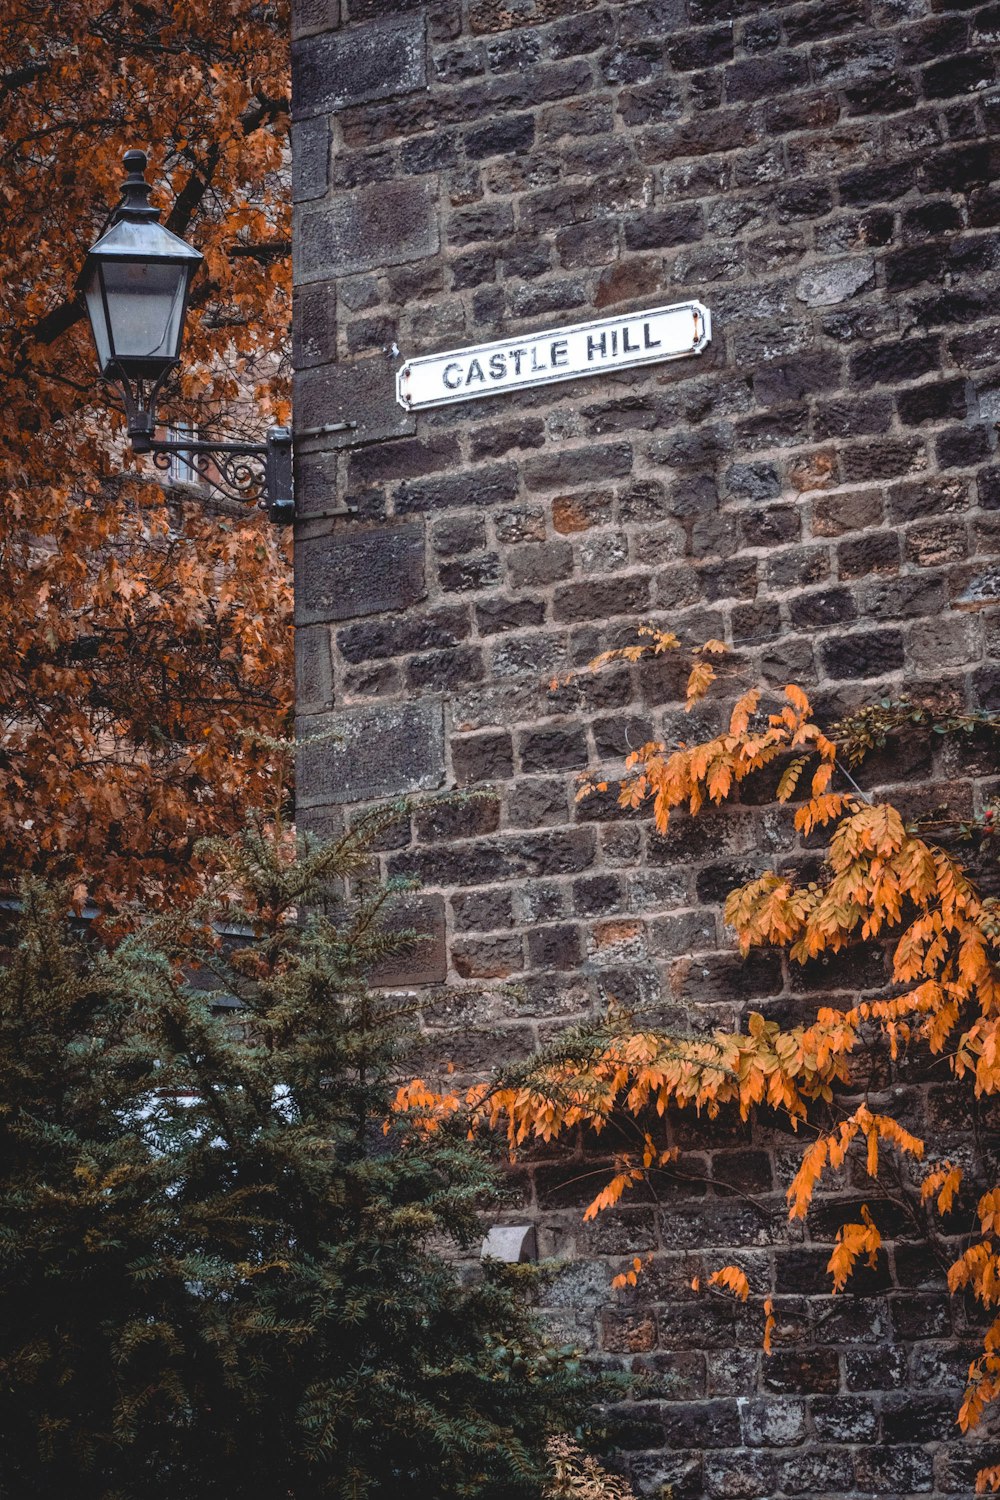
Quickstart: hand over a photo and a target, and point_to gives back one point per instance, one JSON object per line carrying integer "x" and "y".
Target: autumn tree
{"x": 139, "y": 638}
{"x": 884, "y": 880}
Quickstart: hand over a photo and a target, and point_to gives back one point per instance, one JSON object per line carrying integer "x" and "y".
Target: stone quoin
{"x": 818, "y": 487}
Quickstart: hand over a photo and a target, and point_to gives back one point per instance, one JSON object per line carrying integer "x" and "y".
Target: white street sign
{"x": 643, "y": 338}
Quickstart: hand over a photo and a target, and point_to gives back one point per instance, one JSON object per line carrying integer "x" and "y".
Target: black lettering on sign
{"x": 517, "y": 355}
{"x": 628, "y": 348}
{"x": 498, "y": 366}
{"x": 452, "y": 376}
{"x": 559, "y": 353}
{"x": 536, "y": 368}
{"x": 650, "y": 343}
{"x": 475, "y": 372}
{"x": 593, "y": 345}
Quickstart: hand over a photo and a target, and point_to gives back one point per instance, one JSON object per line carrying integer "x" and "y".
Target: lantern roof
{"x": 143, "y": 239}
{"x": 135, "y": 232}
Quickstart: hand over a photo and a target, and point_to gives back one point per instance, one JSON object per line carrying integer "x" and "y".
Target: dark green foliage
{"x": 219, "y": 1275}
{"x": 873, "y": 725}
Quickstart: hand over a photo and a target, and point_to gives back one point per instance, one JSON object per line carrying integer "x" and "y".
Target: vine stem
{"x": 845, "y": 772}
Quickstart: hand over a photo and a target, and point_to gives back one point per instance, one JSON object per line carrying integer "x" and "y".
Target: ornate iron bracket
{"x": 254, "y": 473}
{"x": 257, "y": 473}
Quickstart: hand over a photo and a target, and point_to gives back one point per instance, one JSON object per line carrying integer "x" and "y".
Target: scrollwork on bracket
{"x": 240, "y": 475}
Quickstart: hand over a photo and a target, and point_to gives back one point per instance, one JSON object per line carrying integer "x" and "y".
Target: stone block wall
{"x": 817, "y": 489}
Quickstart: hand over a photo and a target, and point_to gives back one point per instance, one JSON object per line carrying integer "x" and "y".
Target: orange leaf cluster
{"x": 693, "y": 774}
{"x": 853, "y": 1241}
{"x": 428, "y": 1107}
{"x": 769, "y": 1324}
{"x": 944, "y": 1182}
{"x": 731, "y": 1279}
{"x": 629, "y": 1277}
{"x": 882, "y": 881}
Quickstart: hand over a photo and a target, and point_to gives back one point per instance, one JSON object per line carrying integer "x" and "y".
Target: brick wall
{"x": 817, "y": 489}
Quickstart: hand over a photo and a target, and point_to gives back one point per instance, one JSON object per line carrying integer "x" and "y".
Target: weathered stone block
{"x": 446, "y": 669}
{"x": 775, "y": 1423}
{"x": 311, "y": 16}
{"x": 551, "y": 749}
{"x": 558, "y": 947}
{"x": 425, "y": 959}
{"x": 536, "y": 802}
{"x": 382, "y": 225}
{"x": 482, "y": 757}
{"x": 703, "y": 1424}
{"x": 362, "y": 392}
{"x": 313, "y": 671}
{"x": 310, "y": 159}
{"x": 369, "y": 753}
{"x": 824, "y": 608}
{"x": 482, "y": 911}
{"x": 316, "y": 485}
{"x": 400, "y": 635}
{"x": 359, "y": 570}
{"x": 345, "y": 68}
{"x": 825, "y": 286}
{"x": 758, "y": 77}
{"x": 866, "y": 653}
{"x": 404, "y": 460}
{"x": 579, "y": 465}
{"x": 470, "y": 573}
{"x": 487, "y": 957}
{"x": 817, "y": 1370}
{"x": 894, "y": 1470}
{"x": 314, "y": 323}
{"x": 536, "y": 564}
{"x": 664, "y": 226}
{"x": 919, "y": 594}
{"x": 755, "y": 481}
{"x": 824, "y": 1471}
{"x": 876, "y": 552}
{"x": 602, "y": 599}
{"x": 486, "y": 486}
{"x": 501, "y": 614}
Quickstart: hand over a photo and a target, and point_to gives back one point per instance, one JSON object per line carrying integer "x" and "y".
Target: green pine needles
{"x": 220, "y": 1271}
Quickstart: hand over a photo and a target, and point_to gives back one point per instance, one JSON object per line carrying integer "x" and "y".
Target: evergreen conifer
{"x": 220, "y": 1271}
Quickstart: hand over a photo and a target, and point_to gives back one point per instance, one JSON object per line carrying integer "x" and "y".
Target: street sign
{"x": 642, "y": 338}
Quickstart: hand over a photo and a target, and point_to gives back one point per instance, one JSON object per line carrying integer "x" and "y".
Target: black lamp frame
{"x": 256, "y": 473}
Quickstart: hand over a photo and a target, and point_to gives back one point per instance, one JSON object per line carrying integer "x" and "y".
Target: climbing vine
{"x": 883, "y": 880}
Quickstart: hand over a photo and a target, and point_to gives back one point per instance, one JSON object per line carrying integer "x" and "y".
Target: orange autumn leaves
{"x": 137, "y": 643}
{"x": 652, "y": 1157}
{"x": 882, "y": 881}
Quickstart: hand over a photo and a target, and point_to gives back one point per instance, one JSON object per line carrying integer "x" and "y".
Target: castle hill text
{"x": 541, "y": 358}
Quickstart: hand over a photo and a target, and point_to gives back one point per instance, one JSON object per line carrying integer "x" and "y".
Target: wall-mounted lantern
{"x": 135, "y": 283}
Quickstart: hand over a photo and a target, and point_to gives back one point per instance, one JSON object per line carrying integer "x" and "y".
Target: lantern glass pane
{"x": 98, "y": 321}
{"x": 145, "y": 304}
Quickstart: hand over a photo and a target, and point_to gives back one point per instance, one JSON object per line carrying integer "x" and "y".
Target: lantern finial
{"x": 135, "y": 205}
